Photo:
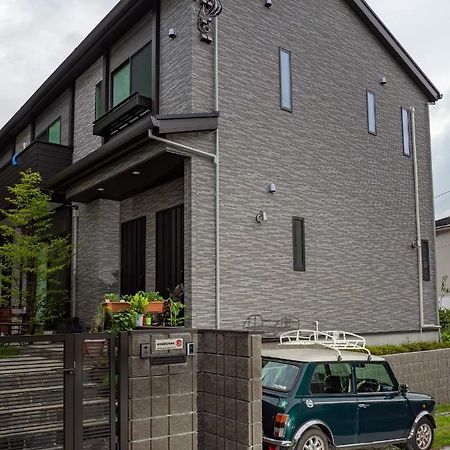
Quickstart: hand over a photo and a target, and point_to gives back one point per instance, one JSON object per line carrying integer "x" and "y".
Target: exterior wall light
{"x": 261, "y": 217}
{"x": 100, "y": 189}
{"x": 272, "y": 188}
{"x": 383, "y": 81}
{"x": 172, "y": 33}
{"x": 268, "y": 3}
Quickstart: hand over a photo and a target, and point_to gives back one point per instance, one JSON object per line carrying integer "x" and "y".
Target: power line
{"x": 441, "y": 195}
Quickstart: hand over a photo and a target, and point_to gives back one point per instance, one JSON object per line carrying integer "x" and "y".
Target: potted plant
{"x": 113, "y": 303}
{"x": 148, "y": 320}
{"x": 138, "y": 304}
{"x": 155, "y": 303}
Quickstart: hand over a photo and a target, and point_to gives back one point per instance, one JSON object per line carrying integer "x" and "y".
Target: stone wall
{"x": 424, "y": 372}
{"x": 194, "y": 405}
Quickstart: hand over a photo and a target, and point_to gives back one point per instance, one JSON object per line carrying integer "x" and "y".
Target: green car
{"x": 323, "y": 398}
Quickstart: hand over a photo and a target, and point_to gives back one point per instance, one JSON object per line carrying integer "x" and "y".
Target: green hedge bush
{"x": 407, "y": 348}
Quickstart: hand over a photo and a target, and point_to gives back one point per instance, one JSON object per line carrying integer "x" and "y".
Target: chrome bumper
{"x": 280, "y": 444}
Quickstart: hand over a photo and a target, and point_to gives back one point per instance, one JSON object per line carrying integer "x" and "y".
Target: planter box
{"x": 115, "y": 307}
{"x": 155, "y": 308}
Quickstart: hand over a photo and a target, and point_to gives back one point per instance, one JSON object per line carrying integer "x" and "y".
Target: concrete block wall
{"x": 424, "y": 372}
{"x": 230, "y": 392}
{"x": 213, "y": 401}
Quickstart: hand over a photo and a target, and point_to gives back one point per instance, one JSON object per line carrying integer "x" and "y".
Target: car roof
{"x": 301, "y": 354}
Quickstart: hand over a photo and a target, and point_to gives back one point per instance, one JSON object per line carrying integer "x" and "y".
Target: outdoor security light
{"x": 383, "y": 81}
{"x": 272, "y": 188}
{"x": 261, "y": 217}
{"x": 268, "y": 3}
{"x": 172, "y": 33}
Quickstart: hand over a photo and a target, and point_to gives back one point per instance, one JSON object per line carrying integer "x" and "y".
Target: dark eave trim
{"x": 130, "y": 138}
{"x": 117, "y": 22}
{"x": 366, "y": 13}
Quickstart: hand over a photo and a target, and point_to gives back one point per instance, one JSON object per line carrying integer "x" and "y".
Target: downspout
{"x": 73, "y": 273}
{"x": 217, "y": 168}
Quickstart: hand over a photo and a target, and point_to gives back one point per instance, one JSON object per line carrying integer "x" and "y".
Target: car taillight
{"x": 279, "y": 429}
{"x": 273, "y": 447}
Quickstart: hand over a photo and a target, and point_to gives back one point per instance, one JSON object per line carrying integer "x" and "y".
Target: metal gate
{"x": 58, "y": 392}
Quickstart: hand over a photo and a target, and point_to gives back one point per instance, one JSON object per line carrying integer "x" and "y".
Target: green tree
{"x": 31, "y": 256}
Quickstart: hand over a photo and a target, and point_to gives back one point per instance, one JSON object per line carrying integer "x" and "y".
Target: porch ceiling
{"x": 158, "y": 170}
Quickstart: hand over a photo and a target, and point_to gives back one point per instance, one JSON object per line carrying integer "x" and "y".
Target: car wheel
{"x": 422, "y": 438}
{"x": 313, "y": 439}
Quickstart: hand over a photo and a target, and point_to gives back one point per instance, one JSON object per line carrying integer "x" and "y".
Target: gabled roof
{"x": 366, "y": 13}
{"x": 125, "y": 13}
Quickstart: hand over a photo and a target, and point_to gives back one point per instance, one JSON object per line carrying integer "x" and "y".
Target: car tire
{"x": 422, "y": 438}
{"x": 313, "y": 439}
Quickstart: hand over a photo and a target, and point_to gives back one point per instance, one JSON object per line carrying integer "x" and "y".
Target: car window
{"x": 331, "y": 378}
{"x": 373, "y": 377}
{"x": 279, "y": 375}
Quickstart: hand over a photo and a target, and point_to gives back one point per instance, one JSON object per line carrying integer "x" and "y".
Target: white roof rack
{"x": 335, "y": 340}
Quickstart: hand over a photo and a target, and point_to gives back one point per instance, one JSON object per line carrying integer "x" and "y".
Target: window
{"x": 298, "y": 231}
{"x": 279, "y": 375}
{"x": 406, "y": 131}
{"x": 373, "y": 377}
{"x": 426, "y": 260}
{"x": 285, "y": 80}
{"x": 334, "y": 378}
{"x": 51, "y": 134}
{"x": 99, "y": 104}
{"x": 133, "y": 76}
{"x": 371, "y": 112}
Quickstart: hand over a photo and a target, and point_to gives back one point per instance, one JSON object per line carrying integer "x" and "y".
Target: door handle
{"x": 363, "y": 405}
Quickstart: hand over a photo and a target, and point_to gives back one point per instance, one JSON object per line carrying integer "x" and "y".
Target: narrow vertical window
{"x": 426, "y": 260}
{"x": 121, "y": 84}
{"x": 406, "y": 130}
{"x": 298, "y": 231}
{"x": 99, "y": 104}
{"x": 285, "y": 80}
{"x": 371, "y": 112}
{"x": 141, "y": 73}
{"x": 54, "y": 132}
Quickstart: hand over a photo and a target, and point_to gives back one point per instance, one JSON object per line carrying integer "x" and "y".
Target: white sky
{"x": 37, "y": 35}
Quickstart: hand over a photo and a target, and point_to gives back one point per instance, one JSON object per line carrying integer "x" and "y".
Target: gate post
{"x": 68, "y": 396}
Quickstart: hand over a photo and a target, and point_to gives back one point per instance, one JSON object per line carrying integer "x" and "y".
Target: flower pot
{"x": 155, "y": 308}
{"x": 115, "y": 307}
{"x": 140, "y": 320}
{"x": 148, "y": 321}
{"x": 94, "y": 347}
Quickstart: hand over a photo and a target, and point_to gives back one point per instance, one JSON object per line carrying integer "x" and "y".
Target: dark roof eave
{"x": 366, "y": 13}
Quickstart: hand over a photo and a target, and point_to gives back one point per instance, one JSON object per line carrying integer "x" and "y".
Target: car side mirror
{"x": 403, "y": 388}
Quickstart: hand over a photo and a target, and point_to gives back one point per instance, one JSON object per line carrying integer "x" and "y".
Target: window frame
{"x": 45, "y": 134}
{"x": 328, "y": 369}
{"x": 426, "y": 274}
{"x": 282, "y": 50}
{"x": 408, "y": 115}
{"x": 368, "y": 93}
{"x": 396, "y": 384}
{"x": 298, "y": 266}
{"x": 128, "y": 61}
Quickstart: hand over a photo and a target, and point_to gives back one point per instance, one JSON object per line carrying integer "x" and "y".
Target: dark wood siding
{"x": 169, "y": 249}
{"x": 132, "y": 256}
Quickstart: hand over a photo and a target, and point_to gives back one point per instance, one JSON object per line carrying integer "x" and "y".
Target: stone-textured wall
{"x": 424, "y": 372}
{"x": 212, "y": 402}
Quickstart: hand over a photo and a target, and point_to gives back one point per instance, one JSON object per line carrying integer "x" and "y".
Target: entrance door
{"x": 169, "y": 249}
{"x": 132, "y": 256}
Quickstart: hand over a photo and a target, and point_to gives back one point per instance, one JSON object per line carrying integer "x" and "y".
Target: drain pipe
{"x": 74, "y": 268}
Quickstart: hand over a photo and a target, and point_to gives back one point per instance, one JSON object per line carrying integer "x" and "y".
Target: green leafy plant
{"x": 154, "y": 296}
{"x": 139, "y": 301}
{"x": 175, "y": 309}
{"x": 123, "y": 321}
{"x": 407, "y": 348}
{"x": 445, "y": 290}
{"x": 112, "y": 297}
{"x": 32, "y": 257}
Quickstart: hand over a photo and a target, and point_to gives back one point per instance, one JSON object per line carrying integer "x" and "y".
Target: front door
{"x": 382, "y": 410}
{"x": 169, "y": 249}
{"x": 132, "y": 256}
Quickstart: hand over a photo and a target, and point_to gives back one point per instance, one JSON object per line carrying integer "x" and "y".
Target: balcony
{"x": 122, "y": 115}
{"x": 43, "y": 157}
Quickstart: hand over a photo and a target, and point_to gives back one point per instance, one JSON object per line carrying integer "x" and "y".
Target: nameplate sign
{"x": 162, "y": 345}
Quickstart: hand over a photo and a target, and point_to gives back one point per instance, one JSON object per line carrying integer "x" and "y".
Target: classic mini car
{"x": 317, "y": 395}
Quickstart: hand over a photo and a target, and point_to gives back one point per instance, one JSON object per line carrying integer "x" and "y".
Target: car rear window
{"x": 279, "y": 375}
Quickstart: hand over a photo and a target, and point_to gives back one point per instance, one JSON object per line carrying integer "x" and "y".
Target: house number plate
{"x": 162, "y": 345}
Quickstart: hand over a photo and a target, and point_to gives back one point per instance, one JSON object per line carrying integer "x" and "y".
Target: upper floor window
{"x": 52, "y": 133}
{"x": 134, "y": 75}
{"x": 298, "y": 231}
{"x": 99, "y": 104}
{"x": 371, "y": 112}
{"x": 406, "y": 131}
{"x": 285, "y": 80}
{"x": 426, "y": 260}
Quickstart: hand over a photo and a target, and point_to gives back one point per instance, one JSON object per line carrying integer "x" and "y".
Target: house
{"x": 265, "y": 163}
{"x": 443, "y": 257}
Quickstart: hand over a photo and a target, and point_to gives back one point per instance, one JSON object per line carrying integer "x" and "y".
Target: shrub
{"x": 407, "y": 348}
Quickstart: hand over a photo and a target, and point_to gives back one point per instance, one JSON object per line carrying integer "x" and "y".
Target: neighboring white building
{"x": 443, "y": 256}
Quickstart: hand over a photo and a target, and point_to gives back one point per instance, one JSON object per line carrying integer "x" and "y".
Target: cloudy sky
{"x": 36, "y": 36}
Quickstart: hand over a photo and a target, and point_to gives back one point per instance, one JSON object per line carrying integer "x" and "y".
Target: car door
{"x": 382, "y": 410}
{"x": 331, "y": 399}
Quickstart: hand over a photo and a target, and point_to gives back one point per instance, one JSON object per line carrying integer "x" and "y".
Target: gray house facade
{"x": 260, "y": 156}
